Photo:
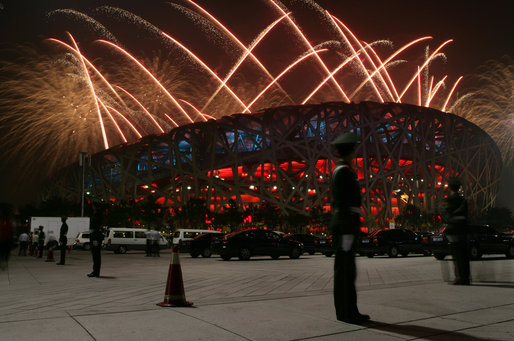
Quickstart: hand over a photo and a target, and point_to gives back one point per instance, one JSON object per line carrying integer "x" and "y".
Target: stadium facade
{"x": 283, "y": 156}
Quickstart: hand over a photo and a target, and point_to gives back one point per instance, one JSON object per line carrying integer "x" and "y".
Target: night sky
{"x": 481, "y": 30}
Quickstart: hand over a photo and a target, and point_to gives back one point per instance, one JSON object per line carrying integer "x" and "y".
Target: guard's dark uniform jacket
{"x": 63, "y": 241}
{"x": 456, "y": 214}
{"x": 346, "y": 201}
{"x": 40, "y": 243}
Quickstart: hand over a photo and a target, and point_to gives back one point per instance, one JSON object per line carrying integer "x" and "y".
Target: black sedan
{"x": 482, "y": 239}
{"x": 325, "y": 246}
{"x": 205, "y": 244}
{"x": 311, "y": 243}
{"x": 391, "y": 242}
{"x": 257, "y": 242}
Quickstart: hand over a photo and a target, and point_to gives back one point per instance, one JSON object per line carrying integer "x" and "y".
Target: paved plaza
{"x": 260, "y": 299}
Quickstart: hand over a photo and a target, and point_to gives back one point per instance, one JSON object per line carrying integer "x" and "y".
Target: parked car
{"x": 482, "y": 239}
{"x": 205, "y": 244}
{"x": 391, "y": 242}
{"x": 256, "y": 242}
{"x": 122, "y": 239}
{"x": 182, "y": 236}
{"x": 82, "y": 241}
{"x": 425, "y": 240}
{"x": 310, "y": 242}
{"x": 325, "y": 246}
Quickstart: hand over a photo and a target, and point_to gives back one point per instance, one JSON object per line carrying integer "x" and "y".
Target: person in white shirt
{"x": 23, "y": 239}
{"x": 155, "y": 236}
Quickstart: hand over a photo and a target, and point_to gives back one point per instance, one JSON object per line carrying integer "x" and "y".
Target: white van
{"x": 182, "y": 235}
{"x": 82, "y": 241}
{"x": 122, "y": 239}
{"x": 52, "y": 227}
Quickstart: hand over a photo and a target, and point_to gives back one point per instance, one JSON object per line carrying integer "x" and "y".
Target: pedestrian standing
{"x": 63, "y": 240}
{"x": 345, "y": 228}
{"x": 148, "y": 248}
{"x": 456, "y": 208}
{"x": 96, "y": 237}
{"x": 40, "y": 241}
{"x": 23, "y": 240}
{"x": 6, "y": 236}
{"x": 156, "y": 236}
{"x": 33, "y": 243}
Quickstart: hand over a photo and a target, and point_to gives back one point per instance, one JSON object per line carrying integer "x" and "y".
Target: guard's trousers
{"x": 345, "y": 295}
{"x": 63, "y": 248}
{"x": 97, "y": 260}
{"x": 461, "y": 260}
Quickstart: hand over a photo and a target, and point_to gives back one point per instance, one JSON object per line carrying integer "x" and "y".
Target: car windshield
{"x": 228, "y": 235}
{"x": 200, "y": 236}
{"x": 374, "y": 233}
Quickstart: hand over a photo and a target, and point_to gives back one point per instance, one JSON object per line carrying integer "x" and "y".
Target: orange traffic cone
{"x": 174, "y": 295}
{"x": 50, "y": 255}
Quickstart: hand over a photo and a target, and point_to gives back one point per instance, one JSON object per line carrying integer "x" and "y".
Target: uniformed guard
{"x": 96, "y": 237}
{"x": 345, "y": 228}
{"x": 40, "y": 242}
{"x": 63, "y": 240}
{"x": 456, "y": 208}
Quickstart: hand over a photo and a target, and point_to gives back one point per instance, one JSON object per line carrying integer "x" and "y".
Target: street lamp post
{"x": 82, "y": 162}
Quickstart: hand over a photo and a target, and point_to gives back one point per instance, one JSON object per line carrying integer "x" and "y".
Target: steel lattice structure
{"x": 283, "y": 156}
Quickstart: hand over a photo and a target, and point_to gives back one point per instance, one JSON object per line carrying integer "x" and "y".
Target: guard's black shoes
{"x": 355, "y": 319}
{"x": 363, "y": 317}
{"x": 92, "y": 275}
{"x": 462, "y": 282}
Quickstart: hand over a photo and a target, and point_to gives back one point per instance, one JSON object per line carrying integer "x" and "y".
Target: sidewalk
{"x": 41, "y": 301}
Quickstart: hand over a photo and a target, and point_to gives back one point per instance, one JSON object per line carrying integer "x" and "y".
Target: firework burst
{"x": 490, "y": 104}
{"x": 86, "y": 94}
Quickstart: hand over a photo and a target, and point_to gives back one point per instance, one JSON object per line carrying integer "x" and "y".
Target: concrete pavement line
{"x": 30, "y": 319}
{"x": 479, "y": 309}
{"x": 361, "y": 287}
{"x": 357, "y": 328}
{"x": 30, "y": 273}
{"x": 269, "y": 297}
{"x": 321, "y": 282}
{"x": 82, "y": 326}
{"x": 121, "y": 296}
{"x": 213, "y": 324}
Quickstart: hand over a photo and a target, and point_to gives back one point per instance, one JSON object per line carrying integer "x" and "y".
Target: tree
{"x": 55, "y": 207}
{"x": 296, "y": 222}
{"x": 411, "y": 217}
{"x": 268, "y": 214}
{"x": 499, "y": 218}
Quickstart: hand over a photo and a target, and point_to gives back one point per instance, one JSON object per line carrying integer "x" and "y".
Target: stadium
{"x": 282, "y": 156}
